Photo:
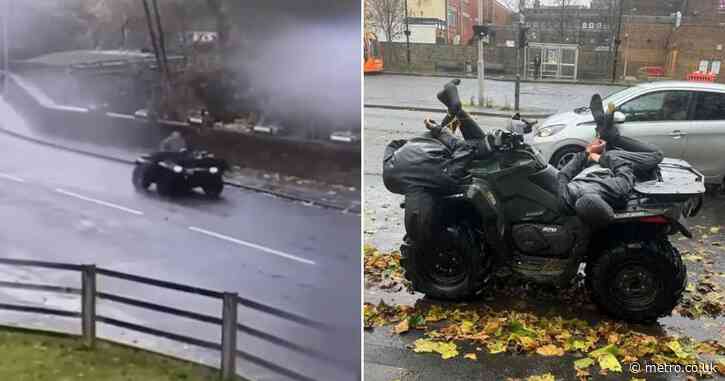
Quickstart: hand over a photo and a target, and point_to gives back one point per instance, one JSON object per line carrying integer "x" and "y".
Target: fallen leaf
{"x": 498, "y": 346}
{"x": 550, "y": 350}
{"x": 471, "y": 356}
{"x": 402, "y": 327}
{"x": 715, "y": 229}
{"x": 542, "y": 377}
{"x": 583, "y": 363}
{"x": 445, "y": 349}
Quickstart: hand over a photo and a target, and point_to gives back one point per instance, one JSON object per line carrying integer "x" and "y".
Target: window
{"x": 599, "y": 25}
{"x": 591, "y": 25}
{"x": 584, "y": 25}
{"x": 659, "y": 106}
{"x": 710, "y": 106}
{"x": 722, "y": 5}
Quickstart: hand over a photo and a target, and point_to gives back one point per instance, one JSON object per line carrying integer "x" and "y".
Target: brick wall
{"x": 437, "y": 57}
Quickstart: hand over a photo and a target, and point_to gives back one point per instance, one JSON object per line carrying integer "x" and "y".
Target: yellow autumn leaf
{"x": 583, "y": 363}
{"x": 542, "y": 377}
{"x": 402, "y": 327}
{"x": 498, "y": 346}
{"x": 471, "y": 356}
{"x": 607, "y": 361}
{"x": 466, "y": 327}
{"x": 677, "y": 349}
{"x": 445, "y": 349}
{"x": 550, "y": 350}
{"x": 637, "y": 379}
{"x": 715, "y": 229}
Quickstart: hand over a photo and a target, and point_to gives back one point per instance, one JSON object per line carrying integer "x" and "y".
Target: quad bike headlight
{"x": 178, "y": 169}
{"x": 213, "y": 170}
{"x": 546, "y": 131}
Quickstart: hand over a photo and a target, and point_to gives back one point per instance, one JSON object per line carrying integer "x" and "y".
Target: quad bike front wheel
{"x": 214, "y": 187}
{"x": 453, "y": 270}
{"x": 141, "y": 177}
{"x": 637, "y": 282}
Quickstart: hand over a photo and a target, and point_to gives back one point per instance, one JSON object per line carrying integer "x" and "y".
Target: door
{"x": 706, "y": 136}
{"x": 659, "y": 118}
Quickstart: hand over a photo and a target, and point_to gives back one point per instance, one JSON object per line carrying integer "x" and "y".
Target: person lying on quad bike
{"x": 591, "y": 184}
{"x": 173, "y": 143}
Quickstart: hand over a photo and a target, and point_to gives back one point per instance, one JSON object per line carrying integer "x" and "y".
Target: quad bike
{"x": 176, "y": 173}
{"x": 507, "y": 219}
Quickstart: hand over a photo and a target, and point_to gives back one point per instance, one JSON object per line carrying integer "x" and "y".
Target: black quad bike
{"x": 176, "y": 173}
{"x": 507, "y": 216}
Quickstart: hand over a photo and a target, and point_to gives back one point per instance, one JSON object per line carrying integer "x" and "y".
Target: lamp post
{"x": 407, "y": 33}
{"x": 481, "y": 68}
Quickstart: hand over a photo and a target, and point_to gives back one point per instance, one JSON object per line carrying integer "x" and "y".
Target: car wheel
{"x": 563, "y": 156}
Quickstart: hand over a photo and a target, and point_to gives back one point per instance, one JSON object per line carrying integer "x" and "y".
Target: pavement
{"x": 387, "y": 356}
{"x": 65, "y": 206}
{"x": 536, "y": 98}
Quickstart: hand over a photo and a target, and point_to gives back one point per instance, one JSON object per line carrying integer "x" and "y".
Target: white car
{"x": 685, "y": 119}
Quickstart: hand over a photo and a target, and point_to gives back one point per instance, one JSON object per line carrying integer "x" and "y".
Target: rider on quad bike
{"x": 591, "y": 184}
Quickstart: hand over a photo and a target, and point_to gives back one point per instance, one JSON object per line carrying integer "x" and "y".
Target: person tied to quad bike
{"x": 592, "y": 184}
{"x": 175, "y": 142}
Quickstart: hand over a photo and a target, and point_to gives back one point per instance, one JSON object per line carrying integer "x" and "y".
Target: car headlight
{"x": 213, "y": 170}
{"x": 546, "y": 131}
{"x": 178, "y": 168}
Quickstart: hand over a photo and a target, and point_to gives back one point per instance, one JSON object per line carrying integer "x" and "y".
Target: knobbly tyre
{"x": 176, "y": 173}
{"x": 505, "y": 218}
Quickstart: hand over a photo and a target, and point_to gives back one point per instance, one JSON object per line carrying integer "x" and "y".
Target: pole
{"x": 407, "y": 33}
{"x": 229, "y": 336}
{"x": 617, "y": 41}
{"x": 519, "y": 46}
{"x": 88, "y": 305}
{"x": 481, "y": 67}
{"x": 6, "y": 49}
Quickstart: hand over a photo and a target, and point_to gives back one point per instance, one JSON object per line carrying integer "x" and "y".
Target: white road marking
{"x": 99, "y": 202}
{"x": 11, "y": 177}
{"x": 252, "y": 245}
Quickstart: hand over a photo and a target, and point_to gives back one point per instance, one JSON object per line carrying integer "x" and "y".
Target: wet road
{"x": 388, "y": 356}
{"x": 61, "y": 206}
{"x": 402, "y": 90}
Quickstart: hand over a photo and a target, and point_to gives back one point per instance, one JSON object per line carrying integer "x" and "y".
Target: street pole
{"x": 519, "y": 46}
{"x": 617, "y": 41}
{"x": 6, "y": 49}
{"x": 481, "y": 67}
{"x": 407, "y": 33}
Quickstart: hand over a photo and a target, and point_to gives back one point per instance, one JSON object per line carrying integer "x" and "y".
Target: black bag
{"x": 424, "y": 163}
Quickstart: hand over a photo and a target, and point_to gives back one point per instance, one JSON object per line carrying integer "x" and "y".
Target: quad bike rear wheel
{"x": 455, "y": 268}
{"x": 141, "y": 177}
{"x": 637, "y": 282}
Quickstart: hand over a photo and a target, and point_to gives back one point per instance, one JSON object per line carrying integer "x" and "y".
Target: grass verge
{"x": 27, "y": 355}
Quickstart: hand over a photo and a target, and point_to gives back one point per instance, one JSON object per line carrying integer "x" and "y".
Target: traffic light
{"x": 524, "y": 36}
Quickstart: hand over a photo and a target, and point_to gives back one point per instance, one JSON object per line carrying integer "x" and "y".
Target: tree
{"x": 386, "y": 15}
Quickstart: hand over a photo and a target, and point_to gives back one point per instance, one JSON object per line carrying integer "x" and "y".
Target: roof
{"x": 682, "y": 84}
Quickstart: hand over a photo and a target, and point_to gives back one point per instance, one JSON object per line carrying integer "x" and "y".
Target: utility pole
{"x": 617, "y": 40}
{"x": 407, "y": 33}
{"x": 481, "y": 67}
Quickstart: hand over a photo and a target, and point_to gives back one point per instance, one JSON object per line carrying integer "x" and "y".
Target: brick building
{"x": 569, "y": 25}
{"x": 679, "y": 45}
{"x": 455, "y": 18}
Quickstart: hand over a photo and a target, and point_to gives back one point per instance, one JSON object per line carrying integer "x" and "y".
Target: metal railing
{"x": 228, "y": 322}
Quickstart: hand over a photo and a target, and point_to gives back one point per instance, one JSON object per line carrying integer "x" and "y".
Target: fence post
{"x": 229, "y": 336}
{"x": 88, "y": 305}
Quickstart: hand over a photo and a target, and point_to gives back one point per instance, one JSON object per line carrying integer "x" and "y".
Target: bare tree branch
{"x": 386, "y": 15}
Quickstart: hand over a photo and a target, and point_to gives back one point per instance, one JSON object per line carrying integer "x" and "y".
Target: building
{"x": 452, "y": 21}
{"x": 680, "y": 45}
{"x": 570, "y": 25}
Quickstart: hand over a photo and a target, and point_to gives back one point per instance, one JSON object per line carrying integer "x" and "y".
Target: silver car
{"x": 685, "y": 119}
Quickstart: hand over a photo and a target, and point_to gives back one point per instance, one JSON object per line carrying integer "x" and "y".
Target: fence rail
{"x": 228, "y": 323}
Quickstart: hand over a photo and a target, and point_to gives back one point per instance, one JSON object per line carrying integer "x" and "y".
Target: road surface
{"x": 67, "y": 207}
